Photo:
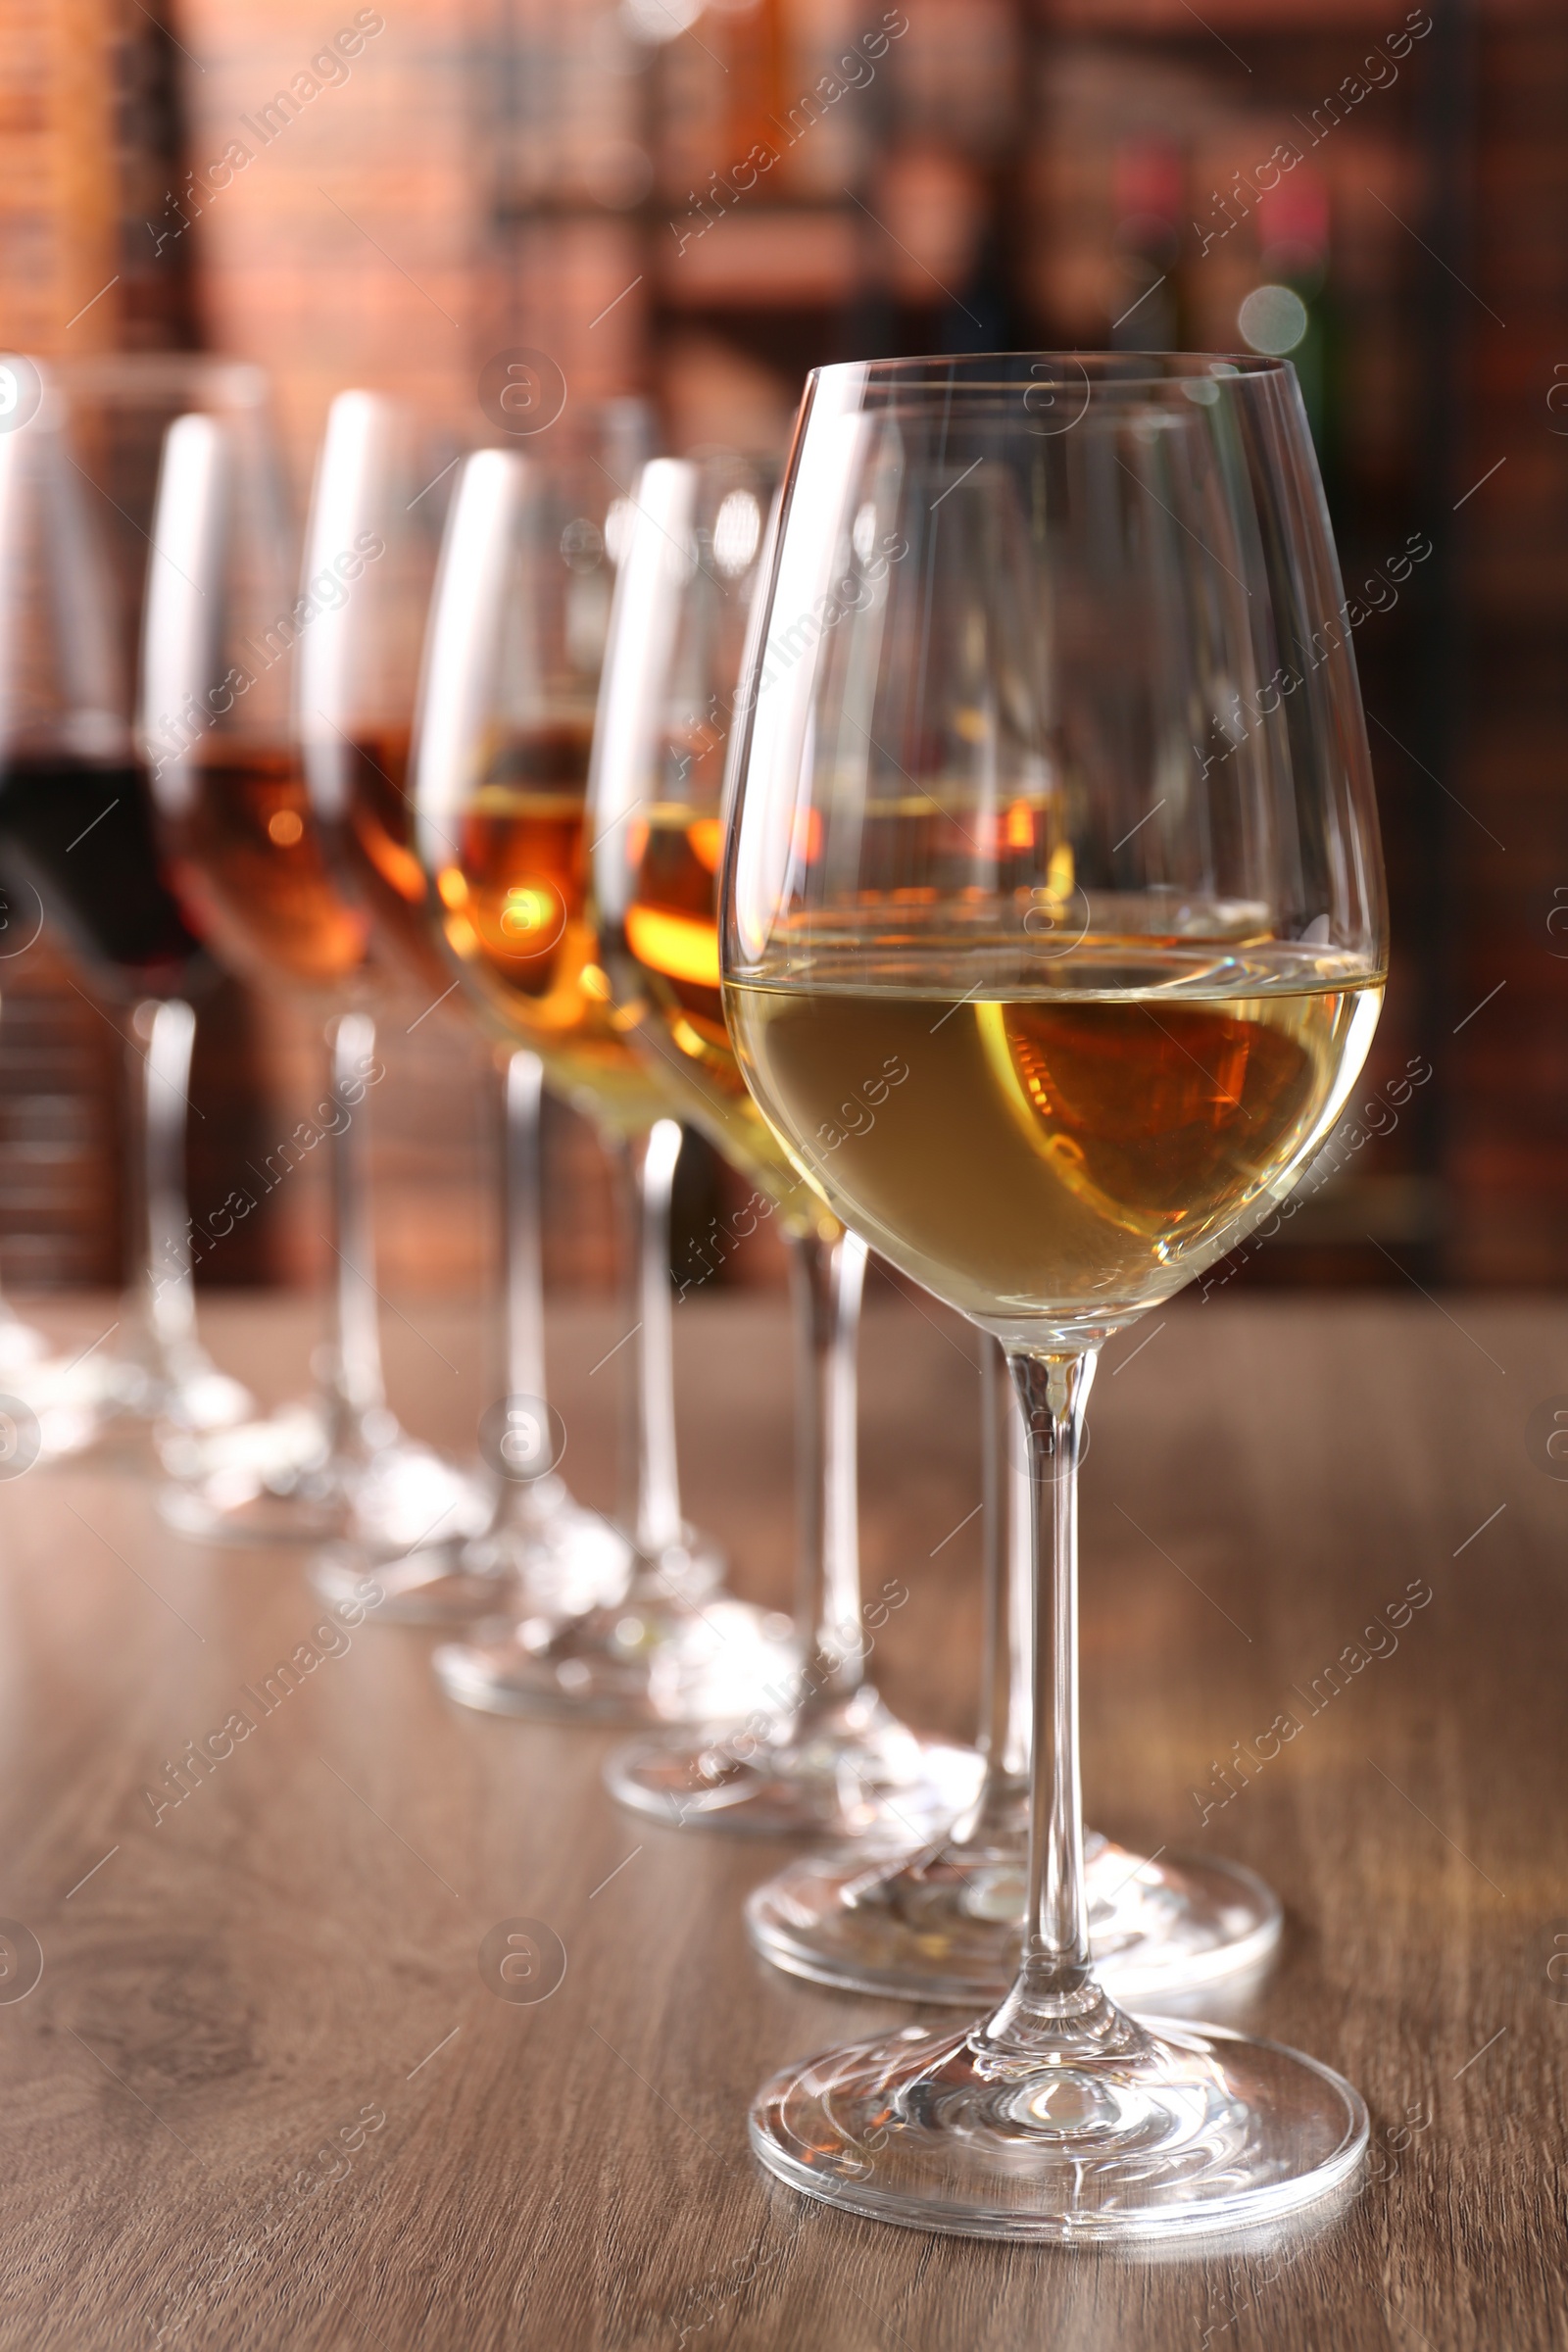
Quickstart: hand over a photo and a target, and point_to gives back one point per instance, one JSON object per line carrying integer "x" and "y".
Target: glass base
{"x": 72, "y": 1412}
{"x": 20, "y": 1344}
{"x": 638, "y": 1659}
{"x": 559, "y": 1559}
{"x": 202, "y": 1398}
{"x": 407, "y": 1496}
{"x": 71, "y": 1398}
{"x": 271, "y": 1481}
{"x": 278, "y": 1481}
{"x": 1157, "y": 2135}
{"x": 116, "y": 1406}
{"x": 850, "y": 1771}
{"x": 944, "y": 1923}
{"x": 180, "y": 1384}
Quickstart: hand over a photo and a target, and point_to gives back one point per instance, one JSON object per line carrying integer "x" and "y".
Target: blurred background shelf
{"x": 589, "y": 181}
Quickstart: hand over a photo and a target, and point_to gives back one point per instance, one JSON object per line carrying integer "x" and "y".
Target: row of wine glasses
{"x": 269, "y": 747}
{"x": 1060, "y": 1166}
{"x": 833, "y": 1762}
{"x": 285, "y": 802}
{"x": 509, "y": 672}
{"x": 621, "y": 998}
{"x": 108, "y": 740}
{"x": 498, "y": 783}
{"x": 972, "y": 836}
{"x": 517, "y": 838}
{"x": 940, "y": 725}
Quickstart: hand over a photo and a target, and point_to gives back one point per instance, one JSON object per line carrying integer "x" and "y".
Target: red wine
{"x": 79, "y": 833}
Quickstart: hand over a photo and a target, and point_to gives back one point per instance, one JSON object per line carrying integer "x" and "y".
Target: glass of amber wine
{"x": 359, "y": 671}
{"x": 500, "y": 773}
{"x": 827, "y": 1758}
{"x": 221, "y": 730}
{"x": 1072, "y": 815}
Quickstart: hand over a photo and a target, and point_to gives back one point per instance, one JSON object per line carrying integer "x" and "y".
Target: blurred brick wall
{"x": 344, "y": 249}
{"x": 346, "y": 169}
{"x": 418, "y": 195}
{"x": 449, "y": 179}
{"x": 59, "y": 199}
{"x": 59, "y": 1206}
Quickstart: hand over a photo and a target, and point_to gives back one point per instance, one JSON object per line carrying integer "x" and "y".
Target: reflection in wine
{"x": 249, "y": 854}
{"x": 514, "y": 895}
{"x": 1069, "y": 1153}
{"x": 663, "y": 959}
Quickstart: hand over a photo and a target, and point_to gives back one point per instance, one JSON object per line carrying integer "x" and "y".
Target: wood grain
{"x": 291, "y": 1952}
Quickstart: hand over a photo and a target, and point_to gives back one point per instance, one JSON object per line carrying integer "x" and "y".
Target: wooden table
{"x": 261, "y": 2097}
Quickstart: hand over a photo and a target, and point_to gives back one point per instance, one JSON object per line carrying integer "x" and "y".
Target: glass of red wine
{"x": 77, "y": 846}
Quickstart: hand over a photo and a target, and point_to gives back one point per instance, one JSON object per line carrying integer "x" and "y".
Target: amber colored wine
{"x": 663, "y": 963}
{"x": 375, "y": 847}
{"x": 1070, "y": 1151}
{"x": 514, "y": 903}
{"x": 248, "y": 853}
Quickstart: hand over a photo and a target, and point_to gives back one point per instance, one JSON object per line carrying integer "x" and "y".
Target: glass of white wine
{"x": 1067, "y": 819}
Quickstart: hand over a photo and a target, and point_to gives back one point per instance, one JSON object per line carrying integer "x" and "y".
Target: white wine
{"x": 1068, "y": 1152}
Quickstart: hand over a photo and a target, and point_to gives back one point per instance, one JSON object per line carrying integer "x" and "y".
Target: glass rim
{"x": 1109, "y": 371}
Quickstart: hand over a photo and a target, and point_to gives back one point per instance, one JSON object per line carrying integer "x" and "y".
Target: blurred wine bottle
{"x": 1148, "y": 188}
{"x": 1290, "y": 312}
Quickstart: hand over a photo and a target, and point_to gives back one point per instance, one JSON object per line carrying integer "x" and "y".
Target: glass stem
{"x": 1007, "y": 1568}
{"x": 161, "y": 1084}
{"x": 358, "y": 1387}
{"x": 524, "y": 1242}
{"x": 827, "y": 1278}
{"x": 1054, "y": 2007}
{"x": 518, "y": 1503}
{"x": 651, "y": 1481}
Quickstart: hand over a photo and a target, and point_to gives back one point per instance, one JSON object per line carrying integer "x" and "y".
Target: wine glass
{"x": 221, "y": 730}
{"x": 359, "y": 670}
{"x": 499, "y": 770}
{"x": 944, "y": 1921}
{"x": 1067, "y": 822}
{"x": 78, "y": 847}
{"x": 831, "y": 1759}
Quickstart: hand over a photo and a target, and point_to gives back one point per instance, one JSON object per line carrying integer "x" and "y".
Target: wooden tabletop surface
{"x": 263, "y": 2096}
